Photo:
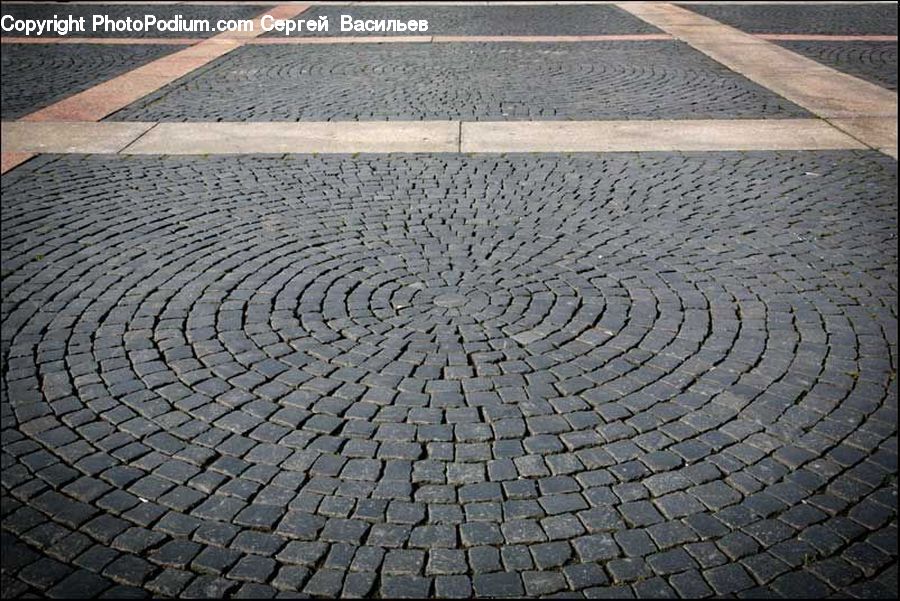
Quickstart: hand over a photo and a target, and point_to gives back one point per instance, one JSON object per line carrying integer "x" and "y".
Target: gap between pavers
{"x": 826, "y": 92}
{"x": 423, "y": 136}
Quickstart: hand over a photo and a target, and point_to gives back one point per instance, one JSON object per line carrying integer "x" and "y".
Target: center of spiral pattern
{"x": 450, "y": 300}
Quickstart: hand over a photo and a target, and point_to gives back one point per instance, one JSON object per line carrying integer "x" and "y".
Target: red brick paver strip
{"x": 106, "y": 98}
{"x": 8, "y": 160}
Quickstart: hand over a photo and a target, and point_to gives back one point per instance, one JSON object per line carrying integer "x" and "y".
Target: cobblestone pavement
{"x": 121, "y": 11}
{"x": 872, "y": 61}
{"x": 837, "y": 19}
{"x": 483, "y": 20}
{"x": 64, "y": 69}
{"x": 472, "y": 81}
{"x": 654, "y": 374}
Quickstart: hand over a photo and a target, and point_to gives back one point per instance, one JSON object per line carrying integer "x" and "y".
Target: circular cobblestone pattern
{"x": 450, "y": 376}
{"x": 471, "y": 81}
{"x": 485, "y": 20}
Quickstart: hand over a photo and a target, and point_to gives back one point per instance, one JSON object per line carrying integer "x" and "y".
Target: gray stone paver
{"x": 659, "y": 374}
{"x": 468, "y": 81}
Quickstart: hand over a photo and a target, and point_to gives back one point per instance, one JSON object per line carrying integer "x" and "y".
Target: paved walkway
{"x": 577, "y": 301}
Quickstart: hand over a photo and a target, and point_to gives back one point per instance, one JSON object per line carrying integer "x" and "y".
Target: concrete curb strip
{"x": 431, "y": 136}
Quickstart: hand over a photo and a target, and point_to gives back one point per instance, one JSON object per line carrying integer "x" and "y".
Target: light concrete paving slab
{"x": 76, "y": 137}
{"x": 881, "y": 132}
{"x": 822, "y": 90}
{"x": 438, "y": 136}
{"x": 624, "y": 136}
{"x": 309, "y": 137}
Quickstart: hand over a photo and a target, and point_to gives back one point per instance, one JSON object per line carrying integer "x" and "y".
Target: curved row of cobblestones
{"x": 65, "y": 70}
{"x": 416, "y": 376}
{"x": 485, "y": 20}
{"x": 872, "y": 61}
{"x": 472, "y": 81}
